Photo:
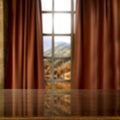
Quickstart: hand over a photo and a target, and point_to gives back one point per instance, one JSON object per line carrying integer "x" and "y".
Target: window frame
{"x": 53, "y": 34}
{"x": 52, "y": 58}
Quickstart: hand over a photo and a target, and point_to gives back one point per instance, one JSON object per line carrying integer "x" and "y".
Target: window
{"x": 58, "y": 29}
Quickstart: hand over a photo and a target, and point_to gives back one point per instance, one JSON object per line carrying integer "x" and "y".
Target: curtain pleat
{"x": 96, "y": 55}
{"x": 96, "y": 59}
{"x": 24, "y": 68}
{"x": 23, "y": 103}
{"x": 25, "y": 53}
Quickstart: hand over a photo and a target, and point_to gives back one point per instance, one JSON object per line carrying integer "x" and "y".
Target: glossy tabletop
{"x": 36, "y": 103}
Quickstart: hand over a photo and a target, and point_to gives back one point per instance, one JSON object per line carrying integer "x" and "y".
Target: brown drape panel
{"x": 96, "y": 59}
{"x": 24, "y": 69}
{"x": 96, "y": 52}
{"x": 24, "y": 103}
{"x": 25, "y": 53}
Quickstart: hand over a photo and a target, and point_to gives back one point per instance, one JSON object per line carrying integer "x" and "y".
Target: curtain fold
{"x": 96, "y": 55}
{"x": 24, "y": 67}
{"x": 24, "y": 103}
{"x": 96, "y": 50}
{"x": 25, "y": 53}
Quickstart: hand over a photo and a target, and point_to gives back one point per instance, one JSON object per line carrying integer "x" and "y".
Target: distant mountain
{"x": 62, "y": 49}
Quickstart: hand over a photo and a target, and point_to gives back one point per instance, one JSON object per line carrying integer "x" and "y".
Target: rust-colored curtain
{"x": 96, "y": 59}
{"x": 24, "y": 68}
{"x": 96, "y": 55}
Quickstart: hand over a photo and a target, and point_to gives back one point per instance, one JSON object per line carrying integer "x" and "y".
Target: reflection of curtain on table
{"x": 24, "y": 69}
{"x": 96, "y": 59}
{"x": 22, "y": 103}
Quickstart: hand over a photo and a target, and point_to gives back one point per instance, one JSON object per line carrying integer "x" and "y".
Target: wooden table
{"x": 76, "y": 104}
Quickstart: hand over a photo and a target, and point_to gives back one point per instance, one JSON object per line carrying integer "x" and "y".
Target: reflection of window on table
{"x": 58, "y": 28}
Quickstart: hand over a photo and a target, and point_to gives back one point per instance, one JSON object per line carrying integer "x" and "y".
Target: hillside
{"x": 61, "y": 49}
{"x": 61, "y": 67}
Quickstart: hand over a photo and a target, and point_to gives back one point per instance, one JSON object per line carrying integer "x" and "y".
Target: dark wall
{"x": 6, "y": 18}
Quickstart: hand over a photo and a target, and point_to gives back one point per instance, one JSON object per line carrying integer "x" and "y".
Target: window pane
{"x": 62, "y": 23}
{"x": 62, "y": 5}
{"x": 46, "y": 5}
{"x": 74, "y": 22}
{"x": 58, "y": 75}
{"x": 66, "y": 70}
{"x": 48, "y": 86}
{"x": 47, "y": 23}
{"x": 62, "y": 86}
{"x": 62, "y": 70}
{"x": 47, "y": 69}
{"x": 74, "y": 5}
{"x": 62, "y": 104}
{"x": 47, "y": 46}
{"x": 62, "y": 46}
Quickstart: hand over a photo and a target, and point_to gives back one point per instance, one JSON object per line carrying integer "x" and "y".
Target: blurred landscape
{"x": 62, "y": 67}
{"x": 57, "y": 105}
